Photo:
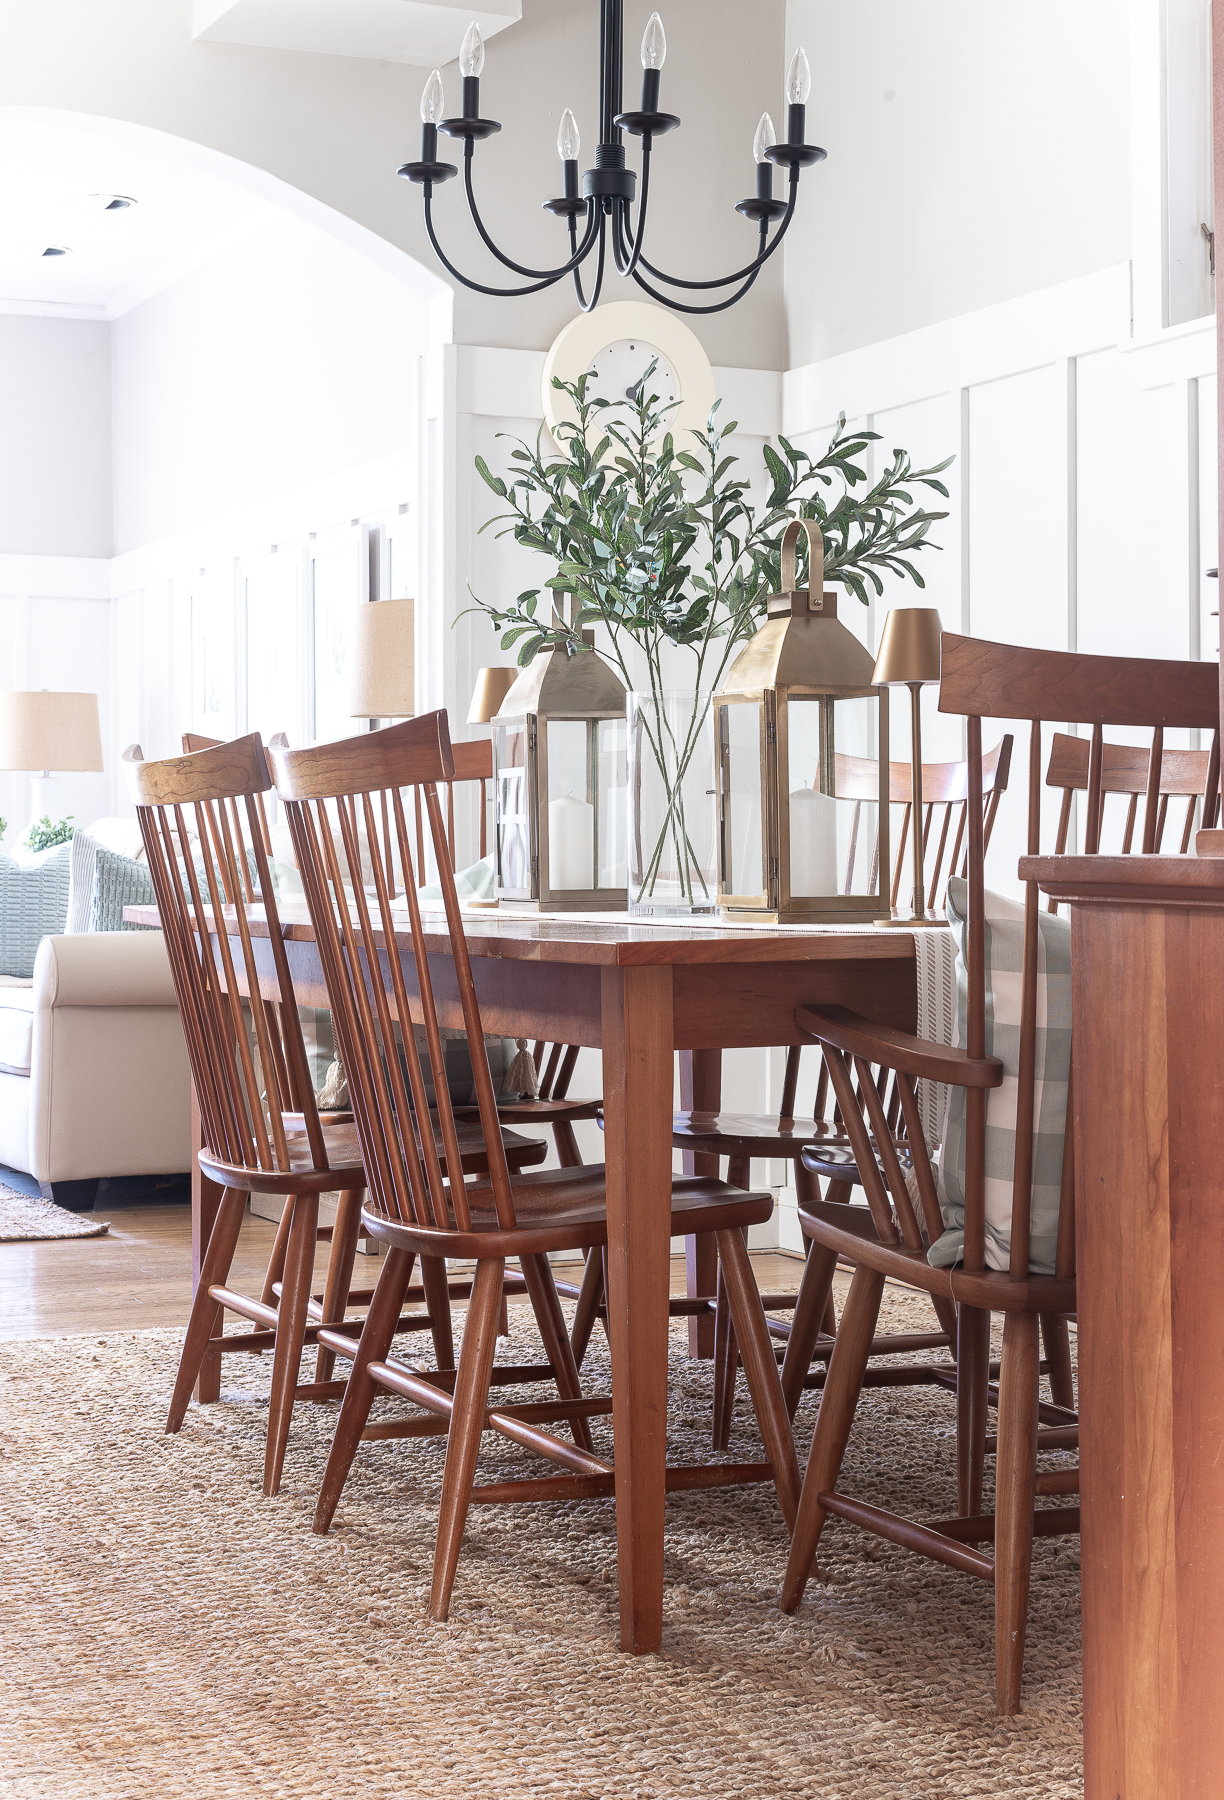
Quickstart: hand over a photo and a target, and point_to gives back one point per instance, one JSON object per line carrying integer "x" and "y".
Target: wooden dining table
{"x": 638, "y": 992}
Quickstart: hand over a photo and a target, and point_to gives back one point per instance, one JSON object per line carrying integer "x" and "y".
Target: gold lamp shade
{"x": 492, "y": 686}
{"x": 50, "y": 731}
{"x": 384, "y": 660}
{"x": 909, "y": 647}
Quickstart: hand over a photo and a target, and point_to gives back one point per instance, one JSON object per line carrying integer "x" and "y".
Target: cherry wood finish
{"x": 730, "y": 986}
{"x": 420, "y": 1213}
{"x": 711, "y": 1134}
{"x": 889, "y": 1236}
{"x": 1148, "y": 999}
{"x": 254, "y": 1099}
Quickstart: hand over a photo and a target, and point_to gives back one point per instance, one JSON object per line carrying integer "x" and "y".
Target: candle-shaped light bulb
{"x": 433, "y": 100}
{"x": 798, "y": 79}
{"x": 654, "y": 43}
{"x": 569, "y": 143}
{"x": 765, "y": 138}
{"x": 471, "y": 54}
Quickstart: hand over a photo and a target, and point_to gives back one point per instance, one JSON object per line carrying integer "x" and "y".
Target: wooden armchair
{"x": 741, "y": 1137}
{"x": 889, "y": 1238}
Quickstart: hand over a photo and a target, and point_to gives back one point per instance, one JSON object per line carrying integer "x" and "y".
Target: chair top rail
{"x": 222, "y": 772}
{"x": 1003, "y": 681}
{"x": 414, "y": 752}
{"x": 943, "y": 784}
{"x": 1124, "y": 767}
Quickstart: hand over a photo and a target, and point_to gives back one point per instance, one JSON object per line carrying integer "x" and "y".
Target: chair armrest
{"x": 105, "y": 968}
{"x": 856, "y": 1036}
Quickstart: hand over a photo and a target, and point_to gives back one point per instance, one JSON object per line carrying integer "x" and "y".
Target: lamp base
{"x": 44, "y": 797}
{"x": 910, "y": 923}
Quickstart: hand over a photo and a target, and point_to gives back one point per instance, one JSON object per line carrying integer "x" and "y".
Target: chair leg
{"x": 726, "y": 1360}
{"x": 840, "y": 1193}
{"x": 205, "y": 1313}
{"x": 1015, "y": 1490}
{"x": 847, "y": 1367}
{"x": 810, "y": 1318}
{"x": 590, "y": 1294}
{"x": 437, "y": 1300}
{"x": 739, "y": 1171}
{"x": 373, "y": 1345}
{"x": 972, "y": 1384}
{"x": 1057, "y": 1345}
{"x": 568, "y": 1153}
{"x": 760, "y": 1369}
{"x": 551, "y": 1321}
{"x": 290, "y": 1330}
{"x": 466, "y": 1425}
{"x": 276, "y": 1262}
{"x": 503, "y": 1318}
{"x": 345, "y": 1233}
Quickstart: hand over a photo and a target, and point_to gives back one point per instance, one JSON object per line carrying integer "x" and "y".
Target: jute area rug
{"x": 165, "y": 1631}
{"x": 26, "y": 1218}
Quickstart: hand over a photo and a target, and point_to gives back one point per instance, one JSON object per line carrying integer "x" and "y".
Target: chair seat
{"x": 836, "y": 1162}
{"x": 345, "y": 1167}
{"x": 544, "y": 1112}
{"x": 567, "y": 1209}
{"x": 742, "y": 1134}
{"x": 851, "y": 1232}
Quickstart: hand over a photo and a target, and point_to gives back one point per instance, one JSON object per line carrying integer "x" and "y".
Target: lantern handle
{"x": 790, "y": 537}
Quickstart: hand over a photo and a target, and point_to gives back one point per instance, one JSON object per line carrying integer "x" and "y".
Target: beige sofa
{"x": 94, "y": 1078}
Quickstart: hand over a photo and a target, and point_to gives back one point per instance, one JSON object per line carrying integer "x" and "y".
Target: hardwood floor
{"x": 138, "y": 1276}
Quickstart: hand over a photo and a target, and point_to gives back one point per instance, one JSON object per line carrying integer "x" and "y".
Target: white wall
{"x": 976, "y": 152}
{"x": 55, "y": 430}
{"x": 286, "y": 359}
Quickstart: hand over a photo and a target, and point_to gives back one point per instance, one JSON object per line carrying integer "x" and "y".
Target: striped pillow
{"x": 1004, "y": 983}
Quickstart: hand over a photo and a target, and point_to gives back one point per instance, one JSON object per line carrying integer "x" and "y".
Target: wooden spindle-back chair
{"x": 888, "y": 1238}
{"x": 1187, "y": 777}
{"x": 412, "y": 1207}
{"x": 253, "y": 1084}
{"x": 741, "y": 1137}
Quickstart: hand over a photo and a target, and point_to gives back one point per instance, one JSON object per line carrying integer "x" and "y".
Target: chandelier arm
{"x": 590, "y": 305}
{"x": 750, "y": 269}
{"x": 478, "y": 287}
{"x": 719, "y": 305}
{"x": 519, "y": 269}
{"x": 627, "y": 244}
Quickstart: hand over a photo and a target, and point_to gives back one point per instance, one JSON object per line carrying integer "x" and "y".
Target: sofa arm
{"x": 105, "y": 968}
{"x": 110, "y": 1085}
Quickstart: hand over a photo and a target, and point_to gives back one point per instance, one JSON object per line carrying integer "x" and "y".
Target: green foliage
{"x": 664, "y": 546}
{"x": 43, "y": 835}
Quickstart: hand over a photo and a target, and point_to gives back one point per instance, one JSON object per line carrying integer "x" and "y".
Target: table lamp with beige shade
{"x": 383, "y": 661}
{"x": 42, "y": 732}
{"x": 909, "y": 656}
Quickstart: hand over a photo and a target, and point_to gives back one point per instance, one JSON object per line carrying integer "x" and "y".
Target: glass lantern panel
{"x": 833, "y": 783}
{"x": 571, "y": 810}
{"x": 611, "y": 790}
{"x": 512, "y": 832}
{"x": 740, "y": 754}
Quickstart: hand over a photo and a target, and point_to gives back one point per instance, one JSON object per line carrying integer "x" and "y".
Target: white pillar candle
{"x": 571, "y": 843}
{"x": 813, "y": 843}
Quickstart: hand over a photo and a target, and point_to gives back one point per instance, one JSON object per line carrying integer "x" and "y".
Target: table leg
{"x": 637, "y": 1042}
{"x": 205, "y": 1200}
{"x": 701, "y": 1091}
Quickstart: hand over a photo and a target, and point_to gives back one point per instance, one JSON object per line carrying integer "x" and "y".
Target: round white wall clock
{"x": 619, "y": 342}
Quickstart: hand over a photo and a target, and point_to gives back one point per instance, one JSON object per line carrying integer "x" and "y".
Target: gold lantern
{"x": 560, "y": 839}
{"x": 801, "y": 735}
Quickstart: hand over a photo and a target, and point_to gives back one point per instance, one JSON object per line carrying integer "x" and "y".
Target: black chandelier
{"x": 604, "y": 201}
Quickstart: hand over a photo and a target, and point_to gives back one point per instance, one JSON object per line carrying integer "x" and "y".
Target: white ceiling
{"x": 54, "y": 169}
{"x": 407, "y": 31}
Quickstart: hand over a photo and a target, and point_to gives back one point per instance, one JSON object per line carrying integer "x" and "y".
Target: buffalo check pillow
{"x": 1004, "y": 980}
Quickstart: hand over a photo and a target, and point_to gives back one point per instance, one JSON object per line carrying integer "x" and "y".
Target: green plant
{"x": 43, "y": 835}
{"x": 664, "y": 549}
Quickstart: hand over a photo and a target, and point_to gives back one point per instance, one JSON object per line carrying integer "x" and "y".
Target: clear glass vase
{"x": 671, "y": 811}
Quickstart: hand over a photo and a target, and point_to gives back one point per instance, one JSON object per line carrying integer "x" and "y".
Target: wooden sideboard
{"x": 1148, "y": 1073}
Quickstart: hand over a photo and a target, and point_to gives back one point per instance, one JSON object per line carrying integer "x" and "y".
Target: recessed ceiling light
{"x": 114, "y": 202}
{"x": 56, "y": 250}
